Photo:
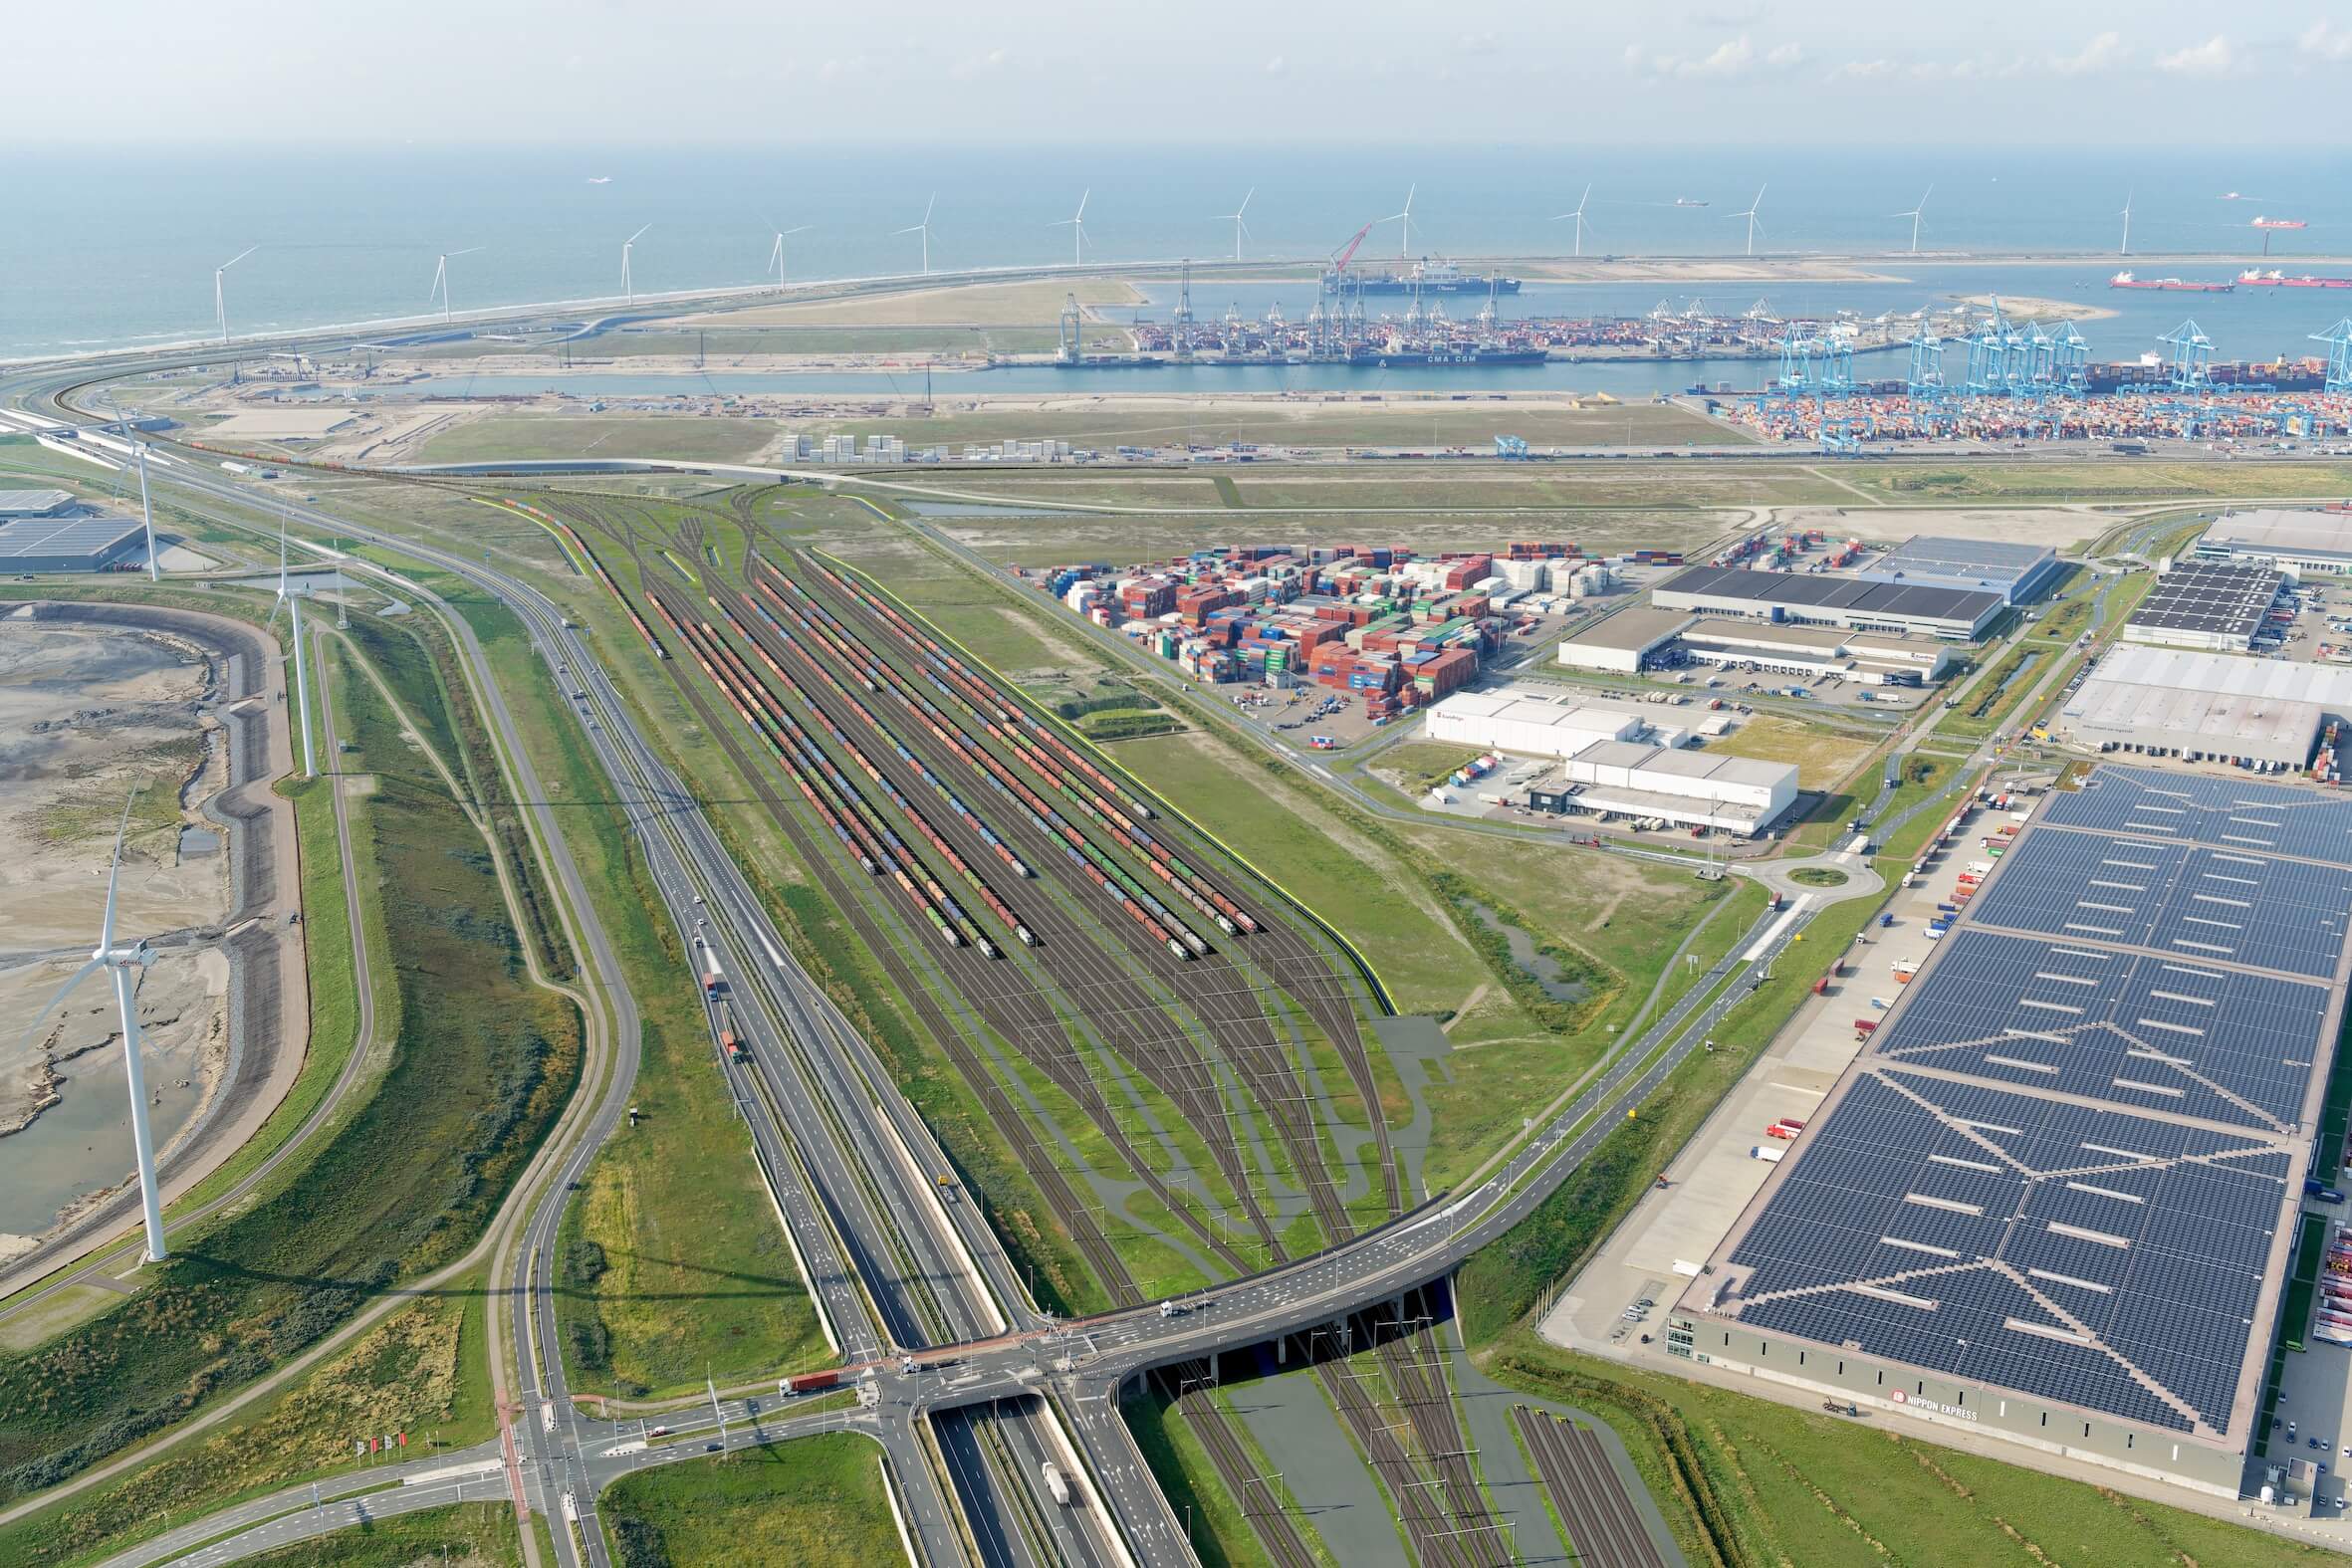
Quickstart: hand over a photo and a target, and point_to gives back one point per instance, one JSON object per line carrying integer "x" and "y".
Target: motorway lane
{"x": 310, "y": 1523}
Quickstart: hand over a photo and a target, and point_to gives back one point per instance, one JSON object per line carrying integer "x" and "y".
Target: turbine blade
{"x": 641, "y": 234}
{"x": 1244, "y": 206}
{"x": 55, "y": 997}
{"x": 240, "y": 256}
{"x": 106, "y": 924}
{"x": 927, "y": 207}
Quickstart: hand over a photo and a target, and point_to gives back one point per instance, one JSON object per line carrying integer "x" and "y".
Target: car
{"x": 2310, "y": 1443}
{"x": 658, "y": 1431}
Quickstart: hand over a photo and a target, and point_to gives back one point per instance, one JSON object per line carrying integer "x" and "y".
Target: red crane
{"x": 1348, "y": 252}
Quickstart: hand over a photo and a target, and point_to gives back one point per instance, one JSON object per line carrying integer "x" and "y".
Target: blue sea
{"x": 109, "y": 248}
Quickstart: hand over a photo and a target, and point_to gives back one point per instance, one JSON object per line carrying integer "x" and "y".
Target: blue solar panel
{"x": 2105, "y": 1258}
{"x": 2257, "y": 818}
{"x": 2030, "y": 1179}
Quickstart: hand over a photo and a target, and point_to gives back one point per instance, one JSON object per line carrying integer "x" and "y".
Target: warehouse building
{"x": 2020, "y": 574}
{"x": 2055, "y": 1197}
{"x": 2299, "y": 540}
{"x": 2215, "y": 605}
{"x": 2264, "y": 713}
{"x": 1628, "y": 643}
{"x": 35, "y": 504}
{"x": 52, "y": 544}
{"x": 1814, "y": 651}
{"x": 1615, "y": 762}
{"x": 1819, "y": 599}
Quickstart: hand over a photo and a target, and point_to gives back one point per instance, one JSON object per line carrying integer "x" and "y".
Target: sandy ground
{"x": 83, "y": 713}
{"x": 281, "y": 422}
{"x": 2056, "y": 526}
{"x": 1028, "y": 304}
{"x": 85, "y": 709}
{"x": 2026, "y": 307}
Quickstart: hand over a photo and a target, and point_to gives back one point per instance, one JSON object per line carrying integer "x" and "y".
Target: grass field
{"x": 475, "y": 1075}
{"x": 814, "y": 1502}
{"x": 422, "y": 1371}
{"x": 1823, "y": 756}
{"x": 1750, "y": 1481}
{"x": 2094, "y": 480}
{"x": 1502, "y": 1282}
{"x": 467, "y": 1535}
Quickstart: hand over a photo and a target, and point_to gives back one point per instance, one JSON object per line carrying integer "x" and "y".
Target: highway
{"x": 893, "y": 1270}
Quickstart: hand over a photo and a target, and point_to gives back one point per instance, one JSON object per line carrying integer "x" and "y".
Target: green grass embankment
{"x": 467, "y": 1535}
{"x": 814, "y": 1502}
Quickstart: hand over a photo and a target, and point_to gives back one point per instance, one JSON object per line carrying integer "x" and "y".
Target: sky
{"x": 684, "y": 73}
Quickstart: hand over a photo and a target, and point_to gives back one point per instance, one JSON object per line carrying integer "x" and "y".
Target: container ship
{"x": 2123, "y": 280}
{"x": 1443, "y": 357}
{"x": 2273, "y": 279}
{"x": 1423, "y": 277}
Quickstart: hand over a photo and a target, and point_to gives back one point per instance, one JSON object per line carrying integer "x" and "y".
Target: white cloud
{"x": 1733, "y": 56}
{"x": 1276, "y": 65}
{"x": 836, "y": 68}
{"x": 2103, "y": 53}
{"x": 2208, "y": 59}
{"x": 1863, "y": 70}
{"x": 977, "y": 66}
{"x": 1480, "y": 43}
{"x": 2326, "y": 42}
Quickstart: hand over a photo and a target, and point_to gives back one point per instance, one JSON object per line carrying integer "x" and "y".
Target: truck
{"x": 947, "y": 1187}
{"x": 808, "y": 1382}
{"x": 1055, "y": 1485}
{"x": 1865, "y": 1026}
{"x": 1768, "y": 1153}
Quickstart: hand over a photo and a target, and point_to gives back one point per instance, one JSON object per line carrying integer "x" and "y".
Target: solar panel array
{"x": 2147, "y": 1033}
{"x": 2230, "y": 813}
{"x": 2060, "y": 1166}
{"x": 2210, "y": 597}
{"x": 2106, "y": 1259}
{"x": 2215, "y": 905}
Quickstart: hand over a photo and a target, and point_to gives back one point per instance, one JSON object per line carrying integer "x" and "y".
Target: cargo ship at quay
{"x": 2123, "y": 280}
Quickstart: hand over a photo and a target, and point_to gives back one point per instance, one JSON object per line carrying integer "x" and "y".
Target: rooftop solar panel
{"x": 2241, "y": 814}
{"x": 2061, "y": 1166}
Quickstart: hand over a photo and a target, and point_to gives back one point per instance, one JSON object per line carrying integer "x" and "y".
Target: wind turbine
{"x": 146, "y": 509}
{"x": 1578, "y": 215}
{"x": 1749, "y": 215}
{"x": 1913, "y": 215}
{"x": 628, "y": 290}
{"x": 924, "y": 229}
{"x": 441, "y": 280}
{"x": 120, "y": 961}
{"x": 291, "y": 603}
{"x": 220, "y": 303}
{"x": 2125, "y": 249}
{"x": 1078, "y": 229}
{"x": 1238, "y": 227}
{"x": 1404, "y": 222}
{"x": 775, "y": 250}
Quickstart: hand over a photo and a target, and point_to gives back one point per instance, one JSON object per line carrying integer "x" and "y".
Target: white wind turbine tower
{"x": 1404, "y": 222}
{"x": 220, "y": 299}
{"x": 120, "y": 961}
{"x": 146, "y": 508}
{"x": 2125, "y": 249}
{"x": 1078, "y": 229}
{"x": 775, "y": 250}
{"x": 924, "y": 229}
{"x": 1749, "y": 215}
{"x": 441, "y": 280}
{"x": 1235, "y": 218}
{"x": 1578, "y": 215}
{"x": 291, "y": 601}
{"x": 1913, "y": 215}
{"x": 628, "y": 290}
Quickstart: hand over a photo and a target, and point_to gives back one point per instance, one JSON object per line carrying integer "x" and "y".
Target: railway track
{"x": 1269, "y": 1519}
{"x": 1604, "y": 1528}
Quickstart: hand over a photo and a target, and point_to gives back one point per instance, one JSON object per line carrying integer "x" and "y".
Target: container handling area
{"x": 2055, "y": 1197}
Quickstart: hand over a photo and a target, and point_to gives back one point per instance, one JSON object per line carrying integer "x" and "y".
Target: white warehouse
{"x": 1613, "y": 763}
